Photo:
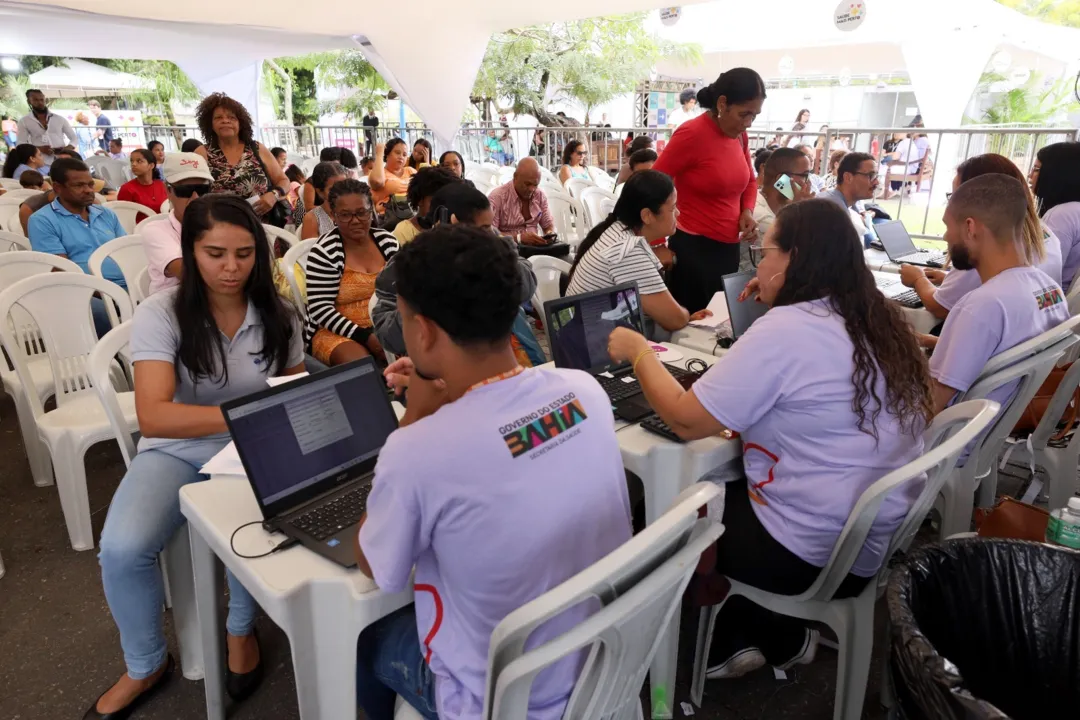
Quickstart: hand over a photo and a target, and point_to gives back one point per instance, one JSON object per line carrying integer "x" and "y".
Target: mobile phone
{"x": 783, "y": 185}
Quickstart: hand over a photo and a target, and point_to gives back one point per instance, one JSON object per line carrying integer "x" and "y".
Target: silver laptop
{"x": 901, "y": 249}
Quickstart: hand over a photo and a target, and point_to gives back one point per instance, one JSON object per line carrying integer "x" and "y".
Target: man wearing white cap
{"x": 187, "y": 176}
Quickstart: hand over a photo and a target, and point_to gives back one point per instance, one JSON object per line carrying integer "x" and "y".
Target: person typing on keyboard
{"x": 940, "y": 291}
{"x": 829, "y": 392}
{"x": 501, "y": 483}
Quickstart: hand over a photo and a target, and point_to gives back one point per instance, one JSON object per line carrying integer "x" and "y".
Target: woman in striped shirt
{"x": 341, "y": 272}
{"x": 617, "y": 250}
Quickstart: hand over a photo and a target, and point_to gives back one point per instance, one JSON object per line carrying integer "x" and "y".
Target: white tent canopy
{"x": 220, "y": 45}
{"x": 79, "y": 78}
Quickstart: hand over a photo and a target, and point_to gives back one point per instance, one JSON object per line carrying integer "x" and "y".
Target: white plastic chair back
{"x": 20, "y": 194}
{"x": 100, "y": 365}
{"x": 59, "y": 306}
{"x": 639, "y": 587}
{"x": 506, "y": 174}
{"x": 592, "y": 199}
{"x": 297, "y": 255}
{"x": 92, "y": 161}
{"x": 128, "y": 253}
{"x": 483, "y": 186}
{"x": 166, "y": 207}
{"x": 10, "y": 184}
{"x": 152, "y": 218}
{"x": 114, "y": 172}
{"x": 127, "y": 212}
{"x": 607, "y": 206}
{"x": 569, "y": 216}
{"x": 9, "y": 218}
{"x": 601, "y": 178}
{"x": 548, "y": 271}
{"x": 1059, "y": 461}
{"x": 140, "y": 289}
{"x": 10, "y": 241}
{"x": 308, "y": 165}
{"x": 551, "y": 184}
{"x": 575, "y": 186}
{"x": 546, "y": 174}
{"x": 273, "y": 233}
{"x": 482, "y": 173}
{"x": 16, "y": 266}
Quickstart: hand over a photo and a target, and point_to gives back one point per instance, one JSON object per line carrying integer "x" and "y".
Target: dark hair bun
{"x": 706, "y": 97}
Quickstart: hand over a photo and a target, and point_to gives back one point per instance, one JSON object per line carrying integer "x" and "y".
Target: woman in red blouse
{"x": 144, "y": 189}
{"x": 709, "y": 160}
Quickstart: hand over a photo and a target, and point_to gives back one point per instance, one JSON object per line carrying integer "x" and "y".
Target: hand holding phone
{"x": 783, "y": 186}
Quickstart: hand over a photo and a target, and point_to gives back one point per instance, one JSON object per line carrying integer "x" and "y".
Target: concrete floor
{"x": 59, "y": 648}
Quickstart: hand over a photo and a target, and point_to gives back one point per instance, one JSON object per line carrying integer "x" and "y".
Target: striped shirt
{"x": 325, "y": 266}
{"x": 619, "y": 256}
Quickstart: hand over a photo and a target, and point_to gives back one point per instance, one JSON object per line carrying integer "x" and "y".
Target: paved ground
{"x": 60, "y": 649}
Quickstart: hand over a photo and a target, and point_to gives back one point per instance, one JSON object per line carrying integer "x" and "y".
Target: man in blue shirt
{"x": 856, "y": 181}
{"x": 72, "y": 226}
{"x": 104, "y": 131}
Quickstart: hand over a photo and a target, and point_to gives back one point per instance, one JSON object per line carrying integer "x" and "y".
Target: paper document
{"x": 282, "y": 379}
{"x": 226, "y": 462}
{"x": 718, "y": 306}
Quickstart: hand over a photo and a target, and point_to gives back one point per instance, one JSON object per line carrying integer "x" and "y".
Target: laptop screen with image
{"x": 895, "y": 239}
{"x": 579, "y": 326}
{"x": 296, "y": 436}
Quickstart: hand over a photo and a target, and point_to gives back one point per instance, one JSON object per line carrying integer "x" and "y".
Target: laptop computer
{"x": 890, "y": 286}
{"x": 742, "y": 314}
{"x": 309, "y": 448}
{"x": 578, "y": 329}
{"x": 900, "y": 248}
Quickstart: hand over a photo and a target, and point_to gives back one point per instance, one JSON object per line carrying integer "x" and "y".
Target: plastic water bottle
{"x": 1064, "y": 526}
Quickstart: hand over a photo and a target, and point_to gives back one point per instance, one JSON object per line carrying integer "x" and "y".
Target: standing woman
{"x": 87, "y": 144}
{"x": 217, "y": 336}
{"x": 143, "y": 188}
{"x": 709, "y": 160}
{"x": 574, "y": 157}
{"x": 391, "y": 174}
{"x": 802, "y": 120}
{"x": 240, "y": 165}
{"x": 341, "y": 272}
{"x": 319, "y": 220}
{"x": 1056, "y": 184}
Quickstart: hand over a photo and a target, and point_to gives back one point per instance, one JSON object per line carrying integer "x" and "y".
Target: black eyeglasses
{"x": 360, "y": 216}
{"x": 869, "y": 175}
{"x": 186, "y": 191}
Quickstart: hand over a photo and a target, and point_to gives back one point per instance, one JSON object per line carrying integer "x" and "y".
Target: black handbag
{"x": 396, "y": 210}
{"x": 280, "y": 214}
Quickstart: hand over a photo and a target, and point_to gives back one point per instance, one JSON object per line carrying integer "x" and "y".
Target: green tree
{"x": 1059, "y": 12}
{"x": 588, "y": 62}
{"x": 1036, "y": 101}
{"x": 347, "y": 69}
{"x": 170, "y": 84}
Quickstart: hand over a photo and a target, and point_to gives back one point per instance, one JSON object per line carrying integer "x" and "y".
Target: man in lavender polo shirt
{"x": 501, "y": 484}
{"x": 187, "y": 176}
{"x": 521, "y": 208}
{"x": 1014, "y": 303}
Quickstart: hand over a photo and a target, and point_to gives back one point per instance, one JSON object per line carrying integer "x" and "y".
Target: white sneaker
{"x": 805, "y": 656}
{"x": 742, "y": 662}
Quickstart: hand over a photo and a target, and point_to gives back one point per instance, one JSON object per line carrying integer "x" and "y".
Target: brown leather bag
{"x": 1013, "y": 519}
{"x": 1033, "y": 413}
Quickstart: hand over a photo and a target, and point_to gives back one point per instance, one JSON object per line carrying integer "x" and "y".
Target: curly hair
{"x": 204, "y": 118}
{"x": 826, "y": 262}
{"x": 427, "y": 182}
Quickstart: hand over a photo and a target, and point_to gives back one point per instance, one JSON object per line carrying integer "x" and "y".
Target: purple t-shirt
{"x": 1064, "y": 221}
{"x": 1013, "y": 307}
{"x": 497, "y": 498}
{"x": 806, "y": 460}
{"x": 959, "y": 283}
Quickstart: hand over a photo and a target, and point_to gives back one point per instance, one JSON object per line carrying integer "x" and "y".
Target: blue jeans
{"x": 389, "y": 663}
{"x": 144, "y": 514}
{"x": 102, "y": 324}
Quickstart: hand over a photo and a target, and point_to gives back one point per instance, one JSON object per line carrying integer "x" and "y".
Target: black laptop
{"x": 578, "y": 329}
{"x": 741, "y": 314}
{"x": 901, "y": 248}
{"x": 309, "y": 448}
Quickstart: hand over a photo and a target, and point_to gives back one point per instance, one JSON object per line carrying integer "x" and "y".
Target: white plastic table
{"x": 321, "y": 606}
{"x": 879, "y": 260}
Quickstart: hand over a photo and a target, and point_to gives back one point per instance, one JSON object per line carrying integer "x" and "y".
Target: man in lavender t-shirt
{"x": 1015, "y": 301}
{"x": 501, "y": 484}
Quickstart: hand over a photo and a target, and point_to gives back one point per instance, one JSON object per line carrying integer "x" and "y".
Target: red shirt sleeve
{"x": 749, "y": 196}
{"x": 677, "y": 152}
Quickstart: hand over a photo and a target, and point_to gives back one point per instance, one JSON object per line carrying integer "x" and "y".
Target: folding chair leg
{"x": 855, "y": 637}
{"x": 74, "y": 501}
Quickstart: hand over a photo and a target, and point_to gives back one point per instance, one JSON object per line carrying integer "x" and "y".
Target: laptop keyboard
{"x": 925, "y": 258}
{"x": 325, "y": 520}
{"x": 909, "y": 299}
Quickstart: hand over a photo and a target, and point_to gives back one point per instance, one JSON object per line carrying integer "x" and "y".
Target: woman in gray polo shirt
{"x": 217, "y": 336}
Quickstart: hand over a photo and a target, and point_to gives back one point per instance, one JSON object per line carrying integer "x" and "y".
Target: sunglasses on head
{"x": 186, "y": 191}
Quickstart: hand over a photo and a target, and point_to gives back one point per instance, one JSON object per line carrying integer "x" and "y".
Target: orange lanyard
{"x": 496, "y": 378}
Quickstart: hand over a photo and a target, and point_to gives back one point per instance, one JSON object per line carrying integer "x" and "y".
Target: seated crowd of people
{"x": 414, "y": 262}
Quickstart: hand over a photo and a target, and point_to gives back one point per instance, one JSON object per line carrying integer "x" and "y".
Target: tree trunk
{"x": 170, "y": 119}
{"x": 287, "y": 78}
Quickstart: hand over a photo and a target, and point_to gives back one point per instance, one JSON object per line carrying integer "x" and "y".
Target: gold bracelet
{"x": 643, "y": 353}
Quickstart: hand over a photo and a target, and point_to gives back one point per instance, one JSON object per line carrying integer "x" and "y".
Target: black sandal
{"x": 125, "y": 712}
{"x": 240, "y": 686}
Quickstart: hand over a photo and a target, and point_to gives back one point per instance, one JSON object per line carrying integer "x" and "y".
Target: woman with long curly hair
{"x": 830, "y": 393}
{"x": 240, "y": 164}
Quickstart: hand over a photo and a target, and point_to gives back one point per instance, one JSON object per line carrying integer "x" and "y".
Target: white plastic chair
{"x": 10, "y": 184}
{"x": 175, "y": 559}
{"x": 114, "y": 172}
{"x": 59, "y": 305}
{"x": 1029, "y": 363}
{"x": 10, "y": 242}
{"x": 601, "y": 178}
{"x": 140, "y": 289}
{"x": 166, "y": 207}
{"x": 607, "y": 206}
{"x": 273, "y": 233}
{"x": 20, "y": 194}
{"x": 297, "y": 255}
{"x": 639, "y": 587}
{"x": 484, "y": 187}
{"x": 1060, "y": 463}
{"x": 483, "y": 173}
{"x": 15, "y": 266}
{"x": 546, "y": 174}
{"x": 592, "y": 199}
{"x": 9, "y": 207}
{"x": 128, "y": 253}
{"x": 569, "y": 216}
{"x": 852, "y": 619}
{"x": 575, "y": 186}
{"x": 127, "y": 211}
{"x": 551, "y": 184}
{"x": 9, "y": 220}
{"x": 549, "y": 271}
{"x": 152, "y": 218}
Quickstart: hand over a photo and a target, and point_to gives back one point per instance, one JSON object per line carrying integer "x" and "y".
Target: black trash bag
{"x": 986, "y": 628}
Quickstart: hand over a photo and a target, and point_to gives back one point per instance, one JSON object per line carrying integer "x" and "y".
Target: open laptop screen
{"x": 325, "y": 427}
{"x": 742, "y": 314}
{"x": 579, "y": 326}
{"x": 895, "y": 239}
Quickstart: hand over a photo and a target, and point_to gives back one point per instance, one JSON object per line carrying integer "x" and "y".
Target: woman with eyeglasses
{"x": 575, "y": 157}
{"x": 341, "y": 272}
{"x": 819, "y": 425}
{"x": 217, "y": 336}
{"x": 320, "y": 220}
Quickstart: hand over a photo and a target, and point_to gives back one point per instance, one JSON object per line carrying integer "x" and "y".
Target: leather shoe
{"x": 125, "y": 712}
{"x": 240, "y": 686}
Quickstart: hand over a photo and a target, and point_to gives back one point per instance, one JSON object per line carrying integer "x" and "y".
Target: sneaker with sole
{"x": 805, "y": 656}
{"x": 742, "y": 662}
